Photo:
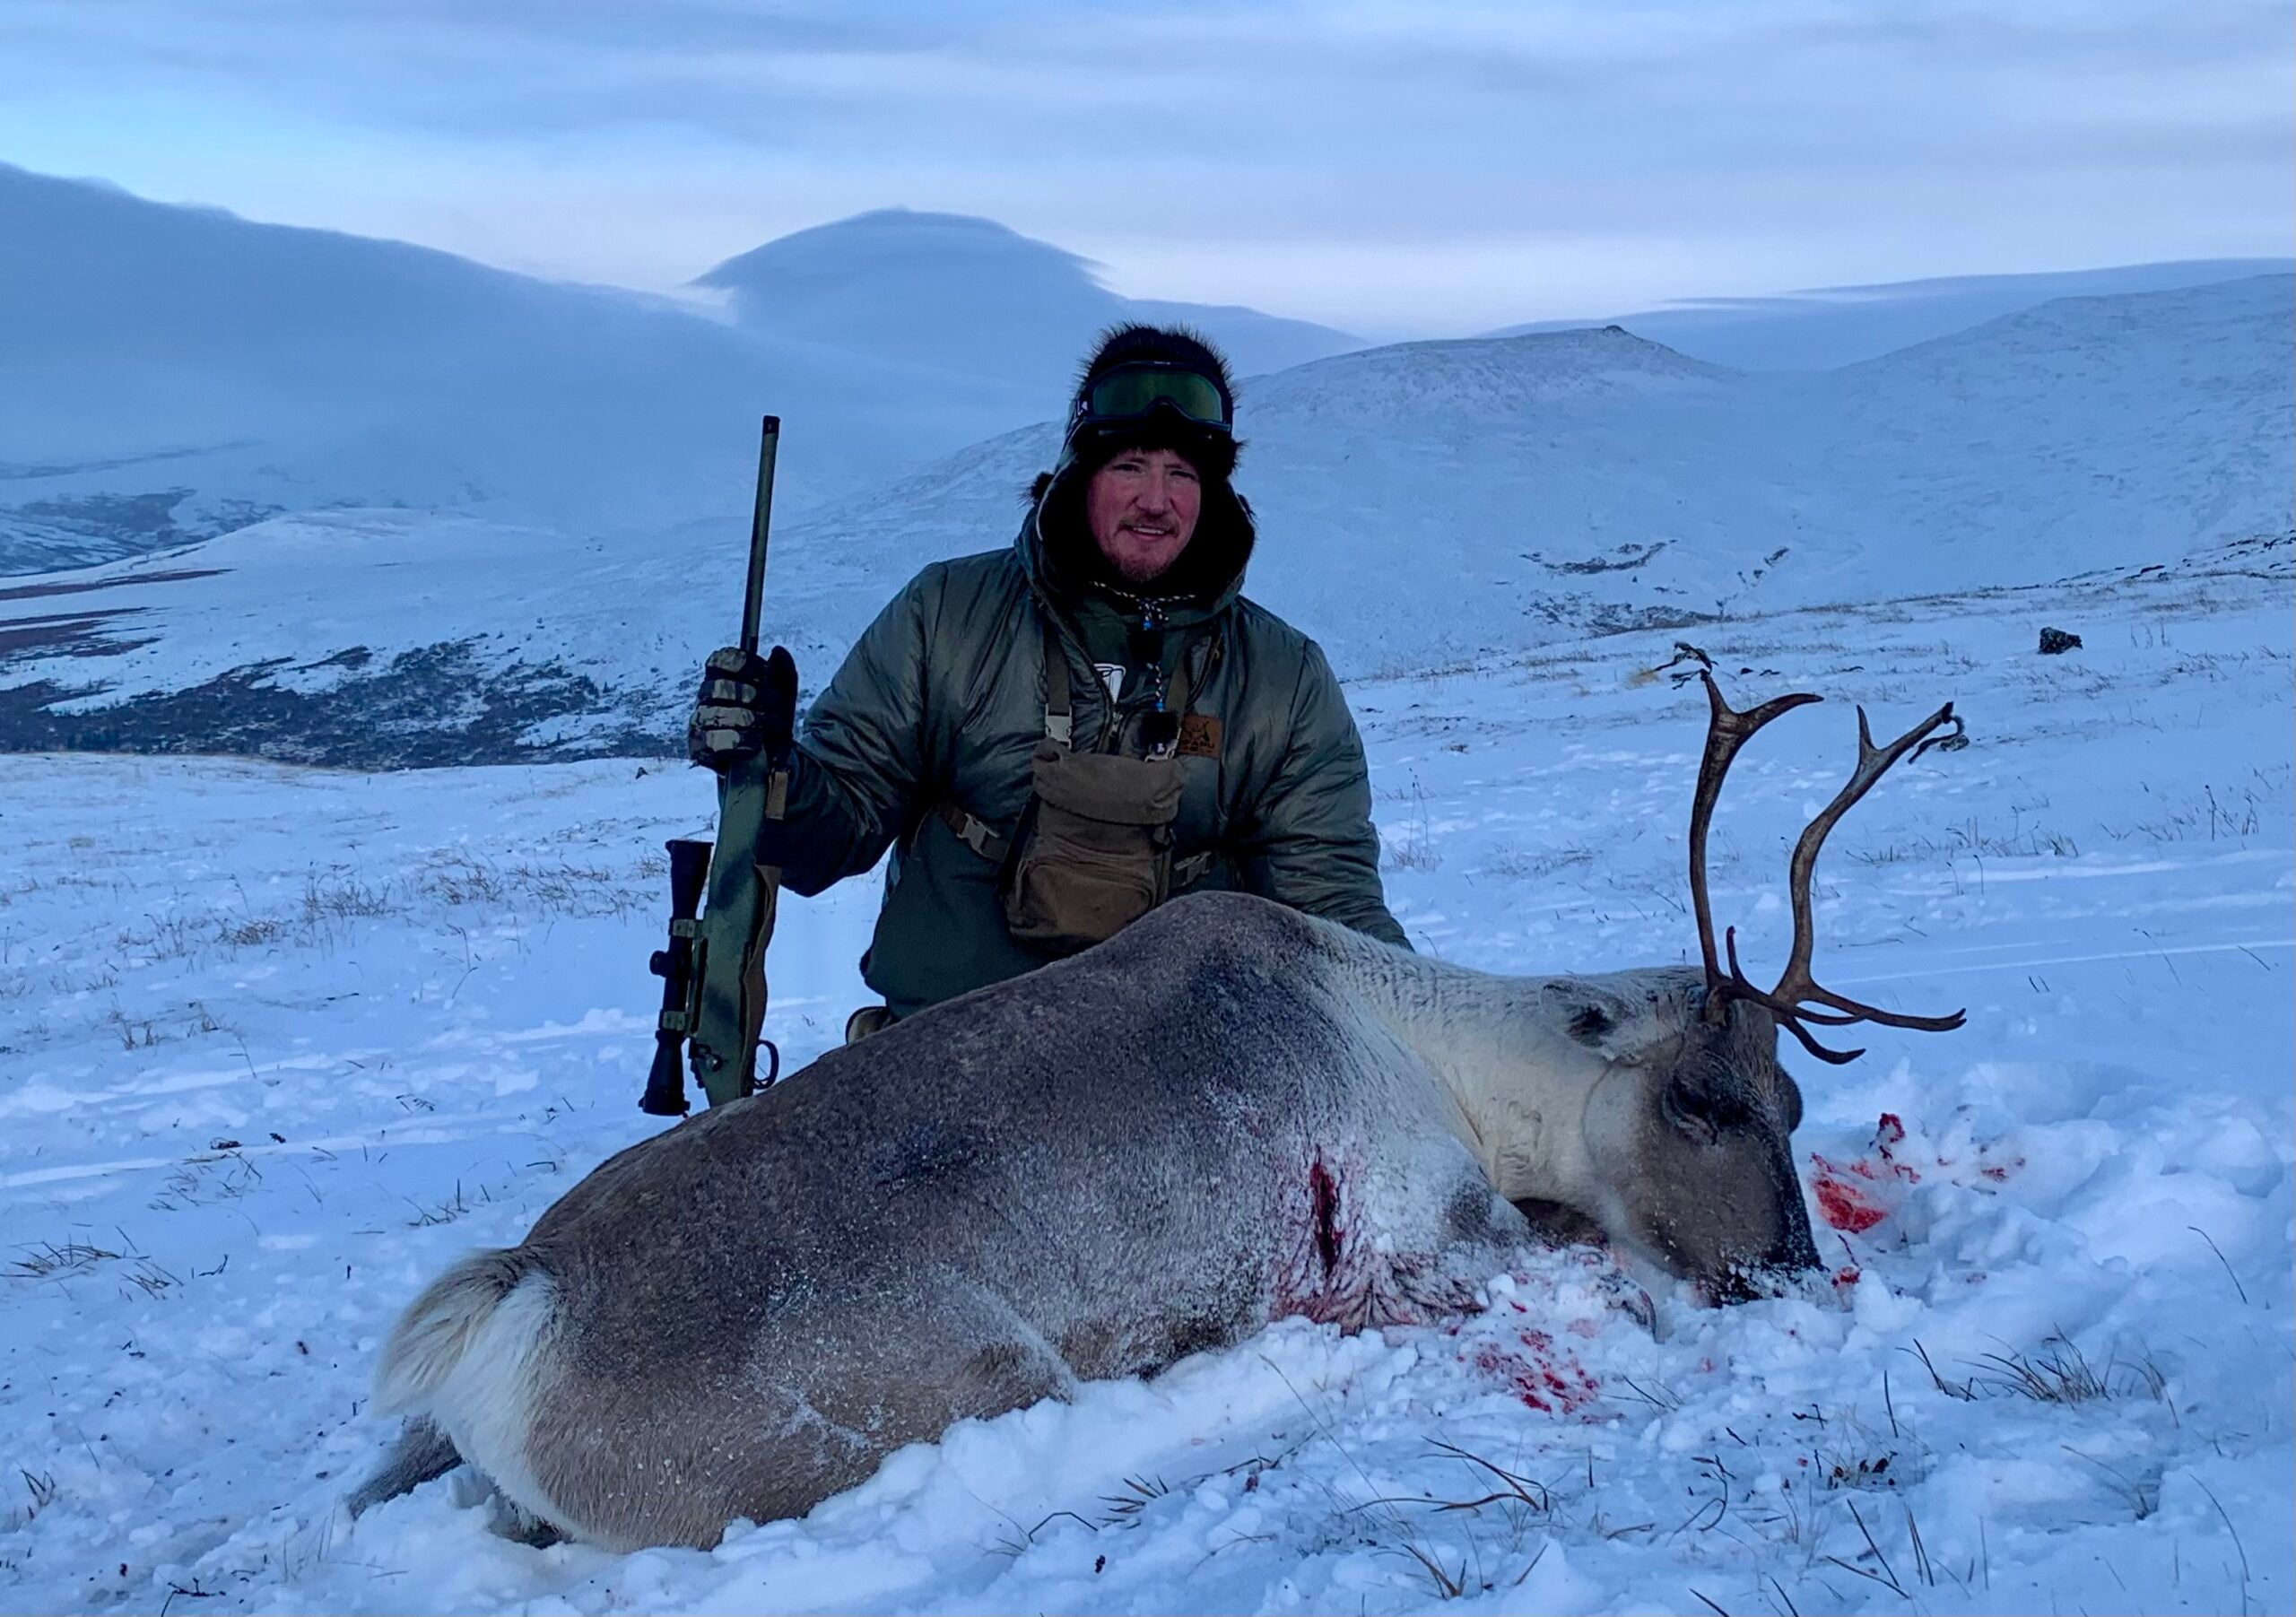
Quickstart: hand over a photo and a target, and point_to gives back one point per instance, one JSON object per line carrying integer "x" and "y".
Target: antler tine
{"x": 1792, "y": 1024}
{"x": 1727, "y": 731}
{"x": 1872, "y": 763}
{"x": 1794, "y": 1015}
{"x": 1797, "y": 989}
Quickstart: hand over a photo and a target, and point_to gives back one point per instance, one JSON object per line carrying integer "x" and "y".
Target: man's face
{"x": 1142, "y": 508}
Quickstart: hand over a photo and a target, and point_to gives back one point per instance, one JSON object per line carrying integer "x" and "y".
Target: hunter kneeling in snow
{"x": 1061, "y": 734}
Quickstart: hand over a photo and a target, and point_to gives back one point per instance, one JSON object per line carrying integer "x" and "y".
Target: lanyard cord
{"x": 1160, "y": 724}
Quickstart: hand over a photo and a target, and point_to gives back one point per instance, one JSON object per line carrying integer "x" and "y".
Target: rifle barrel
{"x": 760, "y": 525}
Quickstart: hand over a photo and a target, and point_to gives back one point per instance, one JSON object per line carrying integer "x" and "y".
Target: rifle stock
{"x": 736, "y": 923}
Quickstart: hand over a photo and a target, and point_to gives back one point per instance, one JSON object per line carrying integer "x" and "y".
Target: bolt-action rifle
{"x": 713, "y": 972}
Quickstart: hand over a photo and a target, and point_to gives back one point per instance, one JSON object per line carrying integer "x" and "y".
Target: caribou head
{"x": 1688, "y": 1127}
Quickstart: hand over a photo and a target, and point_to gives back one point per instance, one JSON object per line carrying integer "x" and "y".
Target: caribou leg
{"x": 422, "y": 1453}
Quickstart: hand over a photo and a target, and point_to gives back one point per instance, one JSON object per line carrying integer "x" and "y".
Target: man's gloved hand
{"x": 747, "y": 704}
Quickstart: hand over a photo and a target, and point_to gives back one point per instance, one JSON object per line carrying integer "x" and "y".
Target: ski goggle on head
{"x": 1131, "y": 392}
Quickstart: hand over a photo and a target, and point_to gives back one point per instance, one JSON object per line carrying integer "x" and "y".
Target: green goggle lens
{"x": 1125, "y": 393}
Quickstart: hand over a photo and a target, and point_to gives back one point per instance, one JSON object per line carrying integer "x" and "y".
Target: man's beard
{"x": 1139, "y": 572}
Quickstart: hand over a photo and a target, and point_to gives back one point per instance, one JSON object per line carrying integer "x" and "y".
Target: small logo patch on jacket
{"x": 1199, "y": 736}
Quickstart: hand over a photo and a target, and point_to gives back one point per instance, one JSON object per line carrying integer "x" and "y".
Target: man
{"x": 1056, "y": 737}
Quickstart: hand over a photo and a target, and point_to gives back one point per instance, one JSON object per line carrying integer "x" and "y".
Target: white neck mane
{"x": 1517, "y": 1057}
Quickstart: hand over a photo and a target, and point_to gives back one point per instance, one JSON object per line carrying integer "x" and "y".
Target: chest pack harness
{"x": 1093, "y": 852}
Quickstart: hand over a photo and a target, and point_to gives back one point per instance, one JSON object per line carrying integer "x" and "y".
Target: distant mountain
{"x": 1836, "y": 326}
{"x": 173, "y": 373}
{"x": 971, "y": 296}
{"x": 1420, "y": 504}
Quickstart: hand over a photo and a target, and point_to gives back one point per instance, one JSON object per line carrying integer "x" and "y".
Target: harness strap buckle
{"x": 1187, "y": 872}
{"x": 973, "y": 831}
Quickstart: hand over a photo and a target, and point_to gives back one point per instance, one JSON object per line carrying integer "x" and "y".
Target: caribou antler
{"x": 1796, "y": 991}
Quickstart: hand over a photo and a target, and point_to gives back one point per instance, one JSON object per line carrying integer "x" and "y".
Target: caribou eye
{"x": 1588, "y": 1023}
{"x": 1685, "y": 1108}
{"x": 1704, "y": 1109}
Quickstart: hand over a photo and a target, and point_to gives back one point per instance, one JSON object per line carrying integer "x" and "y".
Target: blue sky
{"x": 1397, "y": 168}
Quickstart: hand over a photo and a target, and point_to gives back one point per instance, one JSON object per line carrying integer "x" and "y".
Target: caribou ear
{"x": 1790, "y": 1099}
{"x": 1586, "y": 1015}
{"x": 1588, "y": 1023}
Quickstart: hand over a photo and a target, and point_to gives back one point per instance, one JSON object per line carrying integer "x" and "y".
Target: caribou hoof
{"x": 1624, "y": 1296}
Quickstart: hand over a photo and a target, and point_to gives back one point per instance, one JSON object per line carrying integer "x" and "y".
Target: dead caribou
{"x": 1229, "y": 1114}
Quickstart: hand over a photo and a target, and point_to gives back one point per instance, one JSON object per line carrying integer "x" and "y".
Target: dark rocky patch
{"x": 75, "y": 587}
{"x": 436, "y": 707}
{"x": 63, "y": 634}
{"x": 1625, "y": 620}
{"x": 84, "y": 529}
{"x": 1624, "y": 559}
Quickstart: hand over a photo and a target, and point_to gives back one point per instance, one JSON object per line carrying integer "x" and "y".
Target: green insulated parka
{"x": 940, "y": 705}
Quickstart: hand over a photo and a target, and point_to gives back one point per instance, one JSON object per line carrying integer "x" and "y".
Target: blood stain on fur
{"x": 1324, "y": 1193}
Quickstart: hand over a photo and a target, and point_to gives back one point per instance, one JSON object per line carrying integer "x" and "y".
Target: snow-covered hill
{"x": 1436, "y": 501}
{"x": 1421, "y": 504}
{"x": 175, "y": 372}
{"x": 1834, "y": 326}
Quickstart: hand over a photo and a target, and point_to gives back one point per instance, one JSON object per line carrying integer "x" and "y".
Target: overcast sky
{"x": 1396, "y": 169}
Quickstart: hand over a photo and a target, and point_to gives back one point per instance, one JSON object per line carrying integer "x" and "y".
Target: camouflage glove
{"x": 746, "y": 705}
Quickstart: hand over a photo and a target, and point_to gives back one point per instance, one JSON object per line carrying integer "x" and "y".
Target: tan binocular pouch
{"x": 1094, "y": 851}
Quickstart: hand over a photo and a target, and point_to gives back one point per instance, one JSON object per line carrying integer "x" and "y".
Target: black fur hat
{"x": 1210, "y": 450}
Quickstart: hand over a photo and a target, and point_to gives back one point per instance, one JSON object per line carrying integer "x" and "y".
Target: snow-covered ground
{"x": 275, "y": 1044}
